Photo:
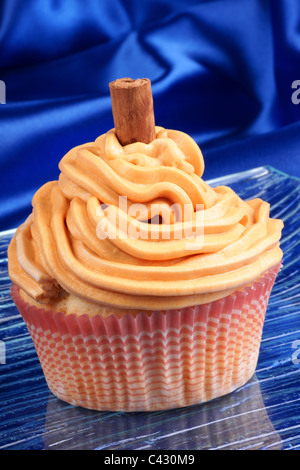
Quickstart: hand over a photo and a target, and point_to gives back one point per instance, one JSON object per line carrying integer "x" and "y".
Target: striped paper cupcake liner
{"x": 151, "y": 361}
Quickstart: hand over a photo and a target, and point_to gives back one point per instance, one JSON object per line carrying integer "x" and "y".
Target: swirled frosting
{"x": 136, "y": 227}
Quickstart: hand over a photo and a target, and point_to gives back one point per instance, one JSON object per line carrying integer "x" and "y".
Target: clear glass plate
{"x": 264, "y": 414}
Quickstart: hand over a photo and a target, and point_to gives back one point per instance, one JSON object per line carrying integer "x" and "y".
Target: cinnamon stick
{"x": 132, "y": 108}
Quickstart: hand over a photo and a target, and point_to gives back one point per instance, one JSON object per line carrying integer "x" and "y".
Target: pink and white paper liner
{"x": 151, "y": 361}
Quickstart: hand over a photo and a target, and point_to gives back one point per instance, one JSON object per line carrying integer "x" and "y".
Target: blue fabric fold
{"x": 221, "y": 70}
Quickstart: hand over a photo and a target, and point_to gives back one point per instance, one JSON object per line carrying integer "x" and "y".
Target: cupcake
{"x": 143, "y": 288}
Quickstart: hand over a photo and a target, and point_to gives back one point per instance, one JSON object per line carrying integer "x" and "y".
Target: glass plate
{"x": 264, "y": 414}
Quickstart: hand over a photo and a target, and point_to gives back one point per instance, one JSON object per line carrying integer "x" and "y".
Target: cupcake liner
{"x": 151, "y": 361}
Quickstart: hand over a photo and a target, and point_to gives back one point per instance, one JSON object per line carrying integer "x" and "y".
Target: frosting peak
{"x": 137, "y": 227}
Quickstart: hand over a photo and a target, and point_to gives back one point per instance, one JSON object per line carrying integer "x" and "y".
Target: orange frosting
{"x": 136, "y": 227}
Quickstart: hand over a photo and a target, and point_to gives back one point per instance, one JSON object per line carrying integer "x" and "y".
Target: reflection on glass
{"x": 237, "y": 421}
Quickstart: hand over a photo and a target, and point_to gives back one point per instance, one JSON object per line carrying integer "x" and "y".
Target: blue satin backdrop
{"x": 221, "y": 70}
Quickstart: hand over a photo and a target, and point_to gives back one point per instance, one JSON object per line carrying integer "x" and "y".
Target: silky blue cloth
{"x": 224, "y": 71}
